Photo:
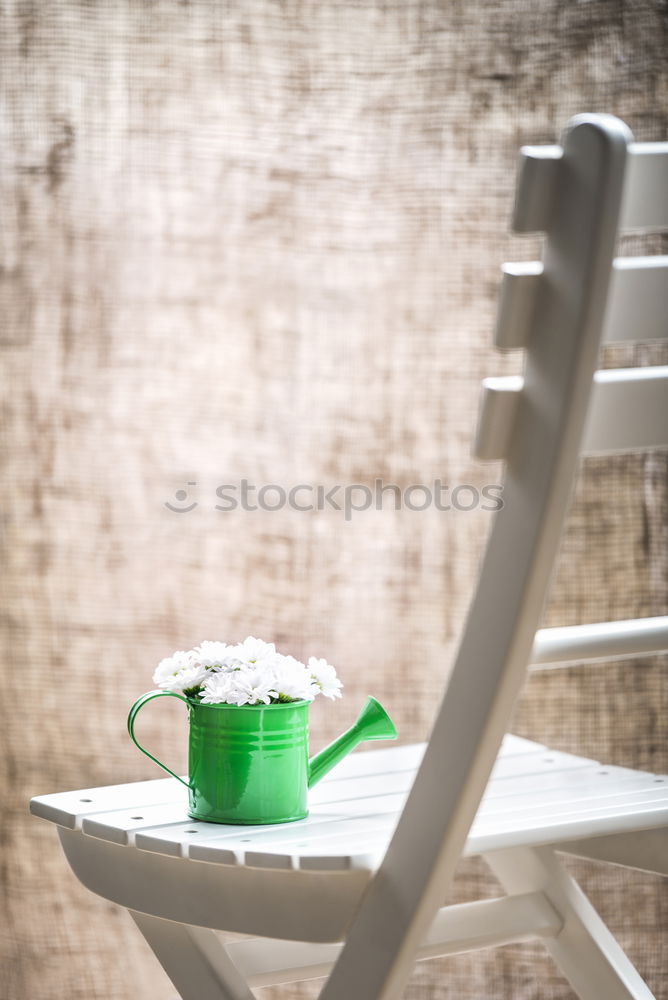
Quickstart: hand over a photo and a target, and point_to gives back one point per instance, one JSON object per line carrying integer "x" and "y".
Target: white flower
{"x": 217, "y": 689}
{"x": 324, "y": 677}
{"x": 170, "y": 666}
{"x": 254, "y": 685}
{"x": 250, "y": 673}
{"x": 292, "y": 680}
{"x": 247, "y": 686}
{"x": 251, "y": 650}
{"x": 189, "y": 677}
{"x": 211, "y": 654}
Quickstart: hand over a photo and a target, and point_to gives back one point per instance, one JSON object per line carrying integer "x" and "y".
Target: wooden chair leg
{"x": 585, "y": 950}
{"x": 194, "y": 959}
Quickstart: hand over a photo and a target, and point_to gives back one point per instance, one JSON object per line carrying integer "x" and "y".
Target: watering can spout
{"x": 373, "y": 723}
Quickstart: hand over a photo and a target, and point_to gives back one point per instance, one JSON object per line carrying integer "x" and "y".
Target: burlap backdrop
{"x": 260, "y": 240}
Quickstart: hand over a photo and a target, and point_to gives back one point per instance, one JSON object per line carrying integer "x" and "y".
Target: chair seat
{"x": 535, "y": 796}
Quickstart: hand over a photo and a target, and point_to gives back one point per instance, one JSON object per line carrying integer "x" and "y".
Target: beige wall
{"x": 262, "y": 240}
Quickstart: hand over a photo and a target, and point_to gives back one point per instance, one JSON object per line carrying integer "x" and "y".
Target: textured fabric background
{"x": 260, "y": 240}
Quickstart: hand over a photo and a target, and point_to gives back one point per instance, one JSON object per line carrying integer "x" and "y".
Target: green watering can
{"x": 249, "y": 763}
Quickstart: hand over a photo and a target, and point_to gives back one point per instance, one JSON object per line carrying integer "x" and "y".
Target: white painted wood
{"x": 578, "y": 792}
{"x": 499, "y": 405}
{"x": 232, "y": 844}
{"x": 298, "y": 905}
{"x": 69, "y": 808}
{"x": 585, "y": 950}
{"x": 492, "y": 660}
{"x": 462, "y": 927}
{"x": 348, "y": 803}
{"x": 605, "y": 640}
{"x": 387, "y": 783}
{"x": 513, "y": 822}
{"x": 629, "y": 410}
{"x": 561, "y": 778}
{"x": 637, "y": 306}
{"x": 646, "y": 850}
{"x": 520, "y": 286}
{"x": 645, "y": 202}
{"x": 622, "y": 817}
{"x": 392, "y": 759}
{"x": 272, "y": 962}
{"x": 536, "y": 193}
{"x": 645, "y": 199}
{"x": 378, "y": 772}
{"x": 577, "y": 803}
{"x": 638, "y": 300}
{"x": 194, "y": 959}
{"x": 533, "y": 794}
{"x": 541, "y": 763}
{"x": 119, "y": 827}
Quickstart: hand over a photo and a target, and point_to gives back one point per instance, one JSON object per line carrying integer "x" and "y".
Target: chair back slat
{"x": 536, "y": 190}
{"x": 637, "y": 302}
{"x": 628, "y": 410}
{"x": 581, "y": 209}
{"x": 498, "y": 414}
{"x": 520, "y": 286}
{"x": 645, "y": 201}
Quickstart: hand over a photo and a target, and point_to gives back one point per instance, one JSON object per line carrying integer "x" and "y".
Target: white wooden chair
{"x": 371, "y": 865}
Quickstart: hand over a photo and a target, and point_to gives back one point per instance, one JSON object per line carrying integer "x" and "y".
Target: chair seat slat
{"x": 363, "y": 796}
{"x": 582, "y": 798}
{"x": 68, "y": 809}
{"x": 532, "y": 790}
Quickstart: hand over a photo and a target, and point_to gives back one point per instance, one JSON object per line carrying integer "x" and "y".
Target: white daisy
{"x": 250, "y": 673}
{"x": 254, "y": 686}
{"x": 324, "y": 677}
{"x": 170, "y": 666}
{"x": 188, "y": 678}
{"x": 217, "y": 689}
{"x": 251, "y": 650}
{"x": 211, "y": 654}
{"x": 292, "y": 680}
{"x": 248, "y": 686}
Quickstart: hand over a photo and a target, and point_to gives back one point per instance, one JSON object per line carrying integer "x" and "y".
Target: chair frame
{"x": 557, "y": 311}
{"x": 581, "y": 208}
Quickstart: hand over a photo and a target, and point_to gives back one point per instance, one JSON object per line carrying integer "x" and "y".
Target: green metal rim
{"x": 247, "y": 822}
{"x": 277, "y": 704}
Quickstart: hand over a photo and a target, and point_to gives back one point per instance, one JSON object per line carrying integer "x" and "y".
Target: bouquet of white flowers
{"x": 249, "y": 673}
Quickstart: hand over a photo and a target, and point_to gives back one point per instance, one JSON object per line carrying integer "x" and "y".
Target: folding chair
{"x": 356, "y": 889}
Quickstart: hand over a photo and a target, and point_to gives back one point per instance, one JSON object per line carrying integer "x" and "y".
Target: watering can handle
{"x": 134, "y": 711}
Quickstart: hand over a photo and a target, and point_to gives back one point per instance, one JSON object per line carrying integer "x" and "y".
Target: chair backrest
{"x": 579, "y": 193}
